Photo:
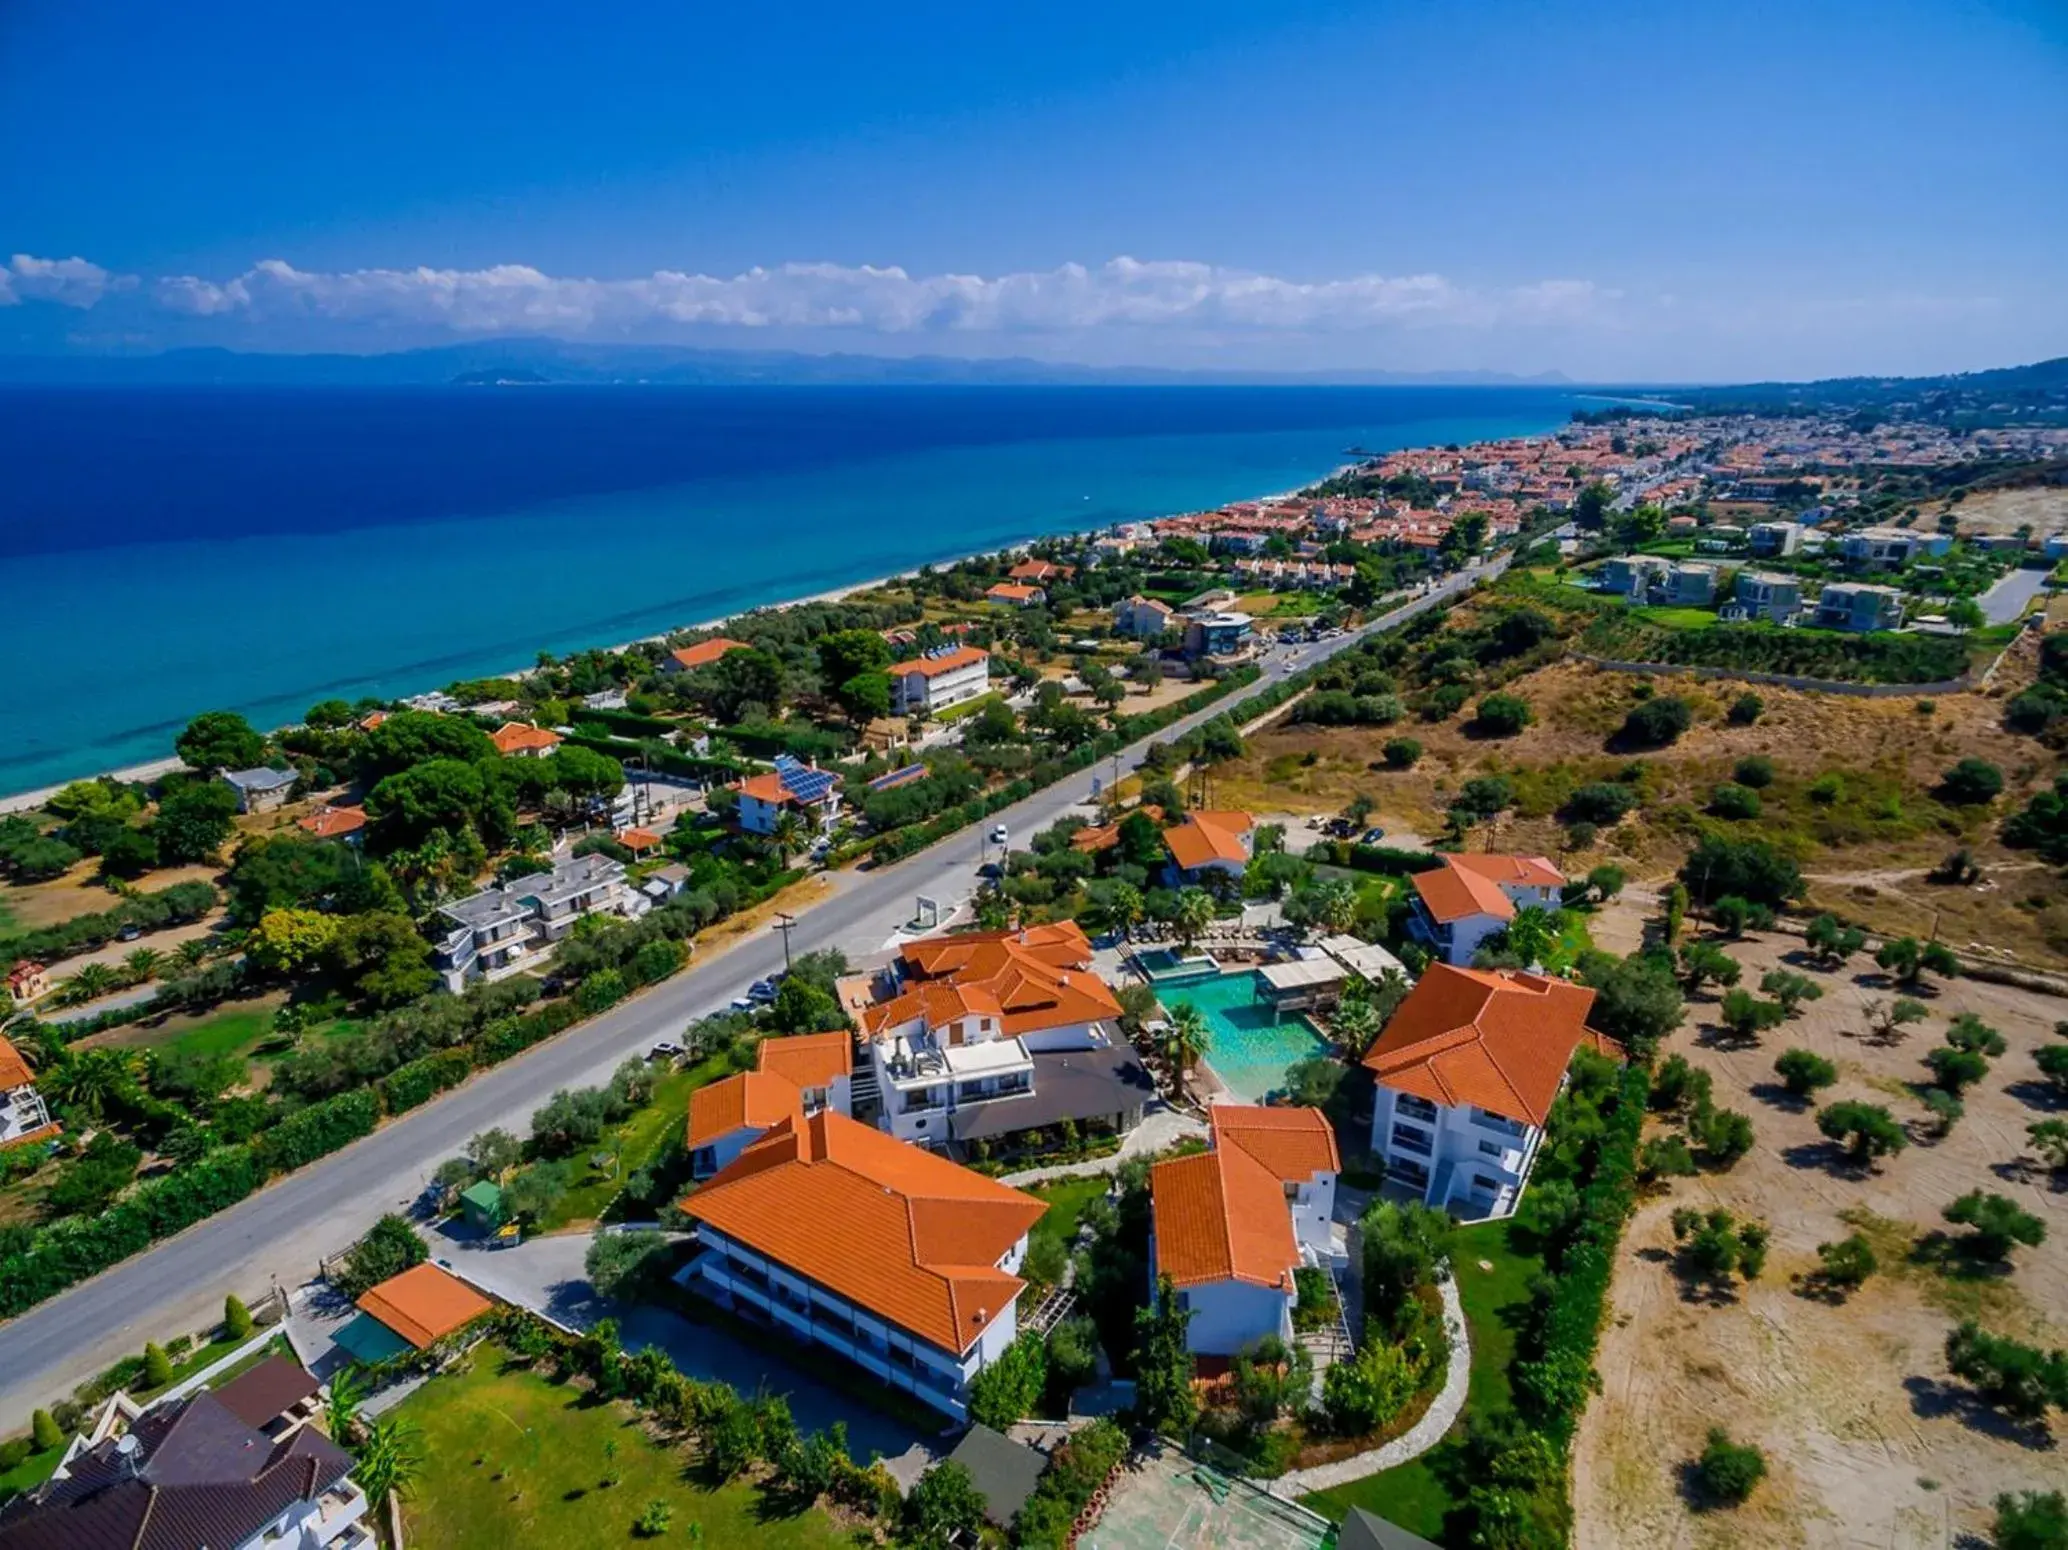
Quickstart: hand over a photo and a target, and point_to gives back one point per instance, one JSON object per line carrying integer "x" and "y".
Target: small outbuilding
{"x": 1005, "y": 1472}
{"x": 481, "y": 1204}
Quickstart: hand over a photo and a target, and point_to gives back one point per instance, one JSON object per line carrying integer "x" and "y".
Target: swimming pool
{"x": 1248, "y": 1042}
{"x": 1167, "y": 966}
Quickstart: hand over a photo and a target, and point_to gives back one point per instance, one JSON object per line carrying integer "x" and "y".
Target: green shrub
{"x": 1729, "y": 1471}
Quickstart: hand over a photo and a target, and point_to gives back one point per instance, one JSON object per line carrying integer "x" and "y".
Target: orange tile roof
{"x": 517, "y": 737}
{"x": 1294, "y": 1143}
{"x": 638, "y": 839}
{"x": 14, "y": 1071}
{"x": 705, "y": 652}
{"x": 1471, "y": 885}
{"x": 946, "y": 662}
{"x": 1204, "y": 838}
{"x": 1497, "y": 1039}
{"x": 907, "y": 1235}
{"x": 327, "y": 823}
{"x": 1221, "y": 1216}
{"x": 1011, "y": 592}
{"x": 424, "y": 1304}
{"x": 808, "y": 1059}
{"x": 768, "y": 787}
{"x": 750, "y": 1098}
{"x": 1032, "y": 978}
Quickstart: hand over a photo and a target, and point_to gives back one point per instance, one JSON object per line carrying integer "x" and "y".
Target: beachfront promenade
{"x": 281, "y": 1232}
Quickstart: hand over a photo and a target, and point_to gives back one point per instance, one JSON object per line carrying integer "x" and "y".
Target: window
{"x": 1408, "y": 1139}
{"x": 1483, "y": 1182}
{"x": 1490, "y": 1148}
{"x": 1413, "y": 1107}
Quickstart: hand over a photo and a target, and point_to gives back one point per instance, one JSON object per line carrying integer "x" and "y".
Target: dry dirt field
{"x": 1868, "y": 1440}
{"x": 2043, "y": 509}
{"x": 1865, "y": 856}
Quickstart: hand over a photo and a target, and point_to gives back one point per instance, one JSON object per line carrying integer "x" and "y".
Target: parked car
{"x": 1371, "y": 836}
{"x": 743, "y": 1004}
{"x": 129, "y": 933}
{"x": 667, "y": 1049}
{"x": 761, "y": 992}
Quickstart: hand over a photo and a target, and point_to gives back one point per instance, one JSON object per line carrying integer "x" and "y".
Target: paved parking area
{"x": 1168, "y": 1501}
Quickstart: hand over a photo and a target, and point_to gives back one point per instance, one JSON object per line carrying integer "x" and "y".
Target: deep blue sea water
{"x": 174, "y": 549}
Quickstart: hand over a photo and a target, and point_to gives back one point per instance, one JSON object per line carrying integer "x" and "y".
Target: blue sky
{"x": 1616, "y": 190}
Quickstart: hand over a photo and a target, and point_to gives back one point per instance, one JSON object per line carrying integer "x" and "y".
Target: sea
{"x": 171, "y": 549}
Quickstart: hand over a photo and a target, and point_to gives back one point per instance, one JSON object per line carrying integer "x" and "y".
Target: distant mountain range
{"x": 538, "y": 362}
{"x": 2037, "y": 393}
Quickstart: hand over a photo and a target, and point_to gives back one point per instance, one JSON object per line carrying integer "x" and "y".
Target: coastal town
{"x": 1361, "y": 1017}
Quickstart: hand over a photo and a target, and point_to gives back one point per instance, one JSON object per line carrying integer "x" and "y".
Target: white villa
{"x": 1231, "y": 1226}
{"x": 1466, "y": 1072}
{"x": 504, "y": 930}
{"x": 1458, "y": 905}
{"x": 23, "y": 1114}
{"x": 933, "y": 682}
{"x": 974, "y": 1036}
{"x": 792, "y": 786}
{"x": 902, "y": 1262}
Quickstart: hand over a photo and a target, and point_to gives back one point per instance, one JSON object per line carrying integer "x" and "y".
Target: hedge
{"x": 421, "y": 1080}
{"x": 319, "y": 1130}
{"x": 1385, "y": 859}
{"x": 1076, "y": 1470}
{"x": 669, "y": 760}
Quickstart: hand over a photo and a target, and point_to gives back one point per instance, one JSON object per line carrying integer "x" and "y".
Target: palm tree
{"x": 85, "y": 1081}
{"x": 191, "y": 954}
{"x": 1532, "y": 934}
{"x": 1194, "y": 913}
{"x": 788, "y": 835}
{"x": 1185, "y": 1043}
{"x": 341, "y": 1415}
{"x": 390, "y": 1459}
{"x": 1124, "y": 905}
{"x": 143, "y": 964}
{"x": 1335, "y": 904}
{"x": 1356, "y": 1025}
{"x": 93, "y": 980}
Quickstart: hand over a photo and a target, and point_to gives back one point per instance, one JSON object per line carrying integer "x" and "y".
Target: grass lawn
{"x": 29, "y": 1473}
{"x": 1414, "y": 1495}
{"x": 277, "y": 1346}
{"x": 511, "y": 1459}
{"x": 639, "y": 1141}
{"x": 954, "y": 713}
{"x": 1668, "y": 618}
{"x": 1066, "y": 1199}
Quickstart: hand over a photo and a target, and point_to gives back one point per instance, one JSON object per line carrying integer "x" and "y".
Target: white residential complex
{"x": 933, "y": 682}
{"x": 504, "y": 930}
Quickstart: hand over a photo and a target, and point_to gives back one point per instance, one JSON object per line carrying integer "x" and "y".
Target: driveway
{"x": 2007, "y": 600}
{"x": 546, "y": 1275}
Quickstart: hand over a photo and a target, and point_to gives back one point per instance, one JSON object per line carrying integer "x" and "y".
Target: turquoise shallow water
{"x": 172, "y": 551}
{"x": 1249, "y": 1045}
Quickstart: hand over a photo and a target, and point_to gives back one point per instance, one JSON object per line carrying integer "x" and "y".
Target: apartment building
{"x": 1849, "y": 605}
{"x": 1775, "y": 540}
{"x": 938, "y": 679}
{"x": 1467, "y": 1070}
{"x": 792, "y": 1077}
{"x": 1765, "y": 595}
{"x": 1461, "y": 903}
{"x": 850, "y": 1240}
{"x": 503, "y": 930}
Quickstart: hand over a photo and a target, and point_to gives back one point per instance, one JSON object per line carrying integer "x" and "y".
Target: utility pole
{"x": 785, "y": 923}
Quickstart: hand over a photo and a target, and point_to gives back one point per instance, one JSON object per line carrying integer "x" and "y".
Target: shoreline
{"x": 152, "y": 769}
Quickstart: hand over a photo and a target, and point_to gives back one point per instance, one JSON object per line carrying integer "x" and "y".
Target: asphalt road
{"x": 2007, "y": 600}
{"x": 280, "y": 1233}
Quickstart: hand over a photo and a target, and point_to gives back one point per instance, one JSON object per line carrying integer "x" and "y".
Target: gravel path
{"x": 1417, "y": 1439}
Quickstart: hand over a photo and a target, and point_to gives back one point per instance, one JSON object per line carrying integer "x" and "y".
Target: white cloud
{"x": 1122, "y": 292}
{"x": 70, "y": 282}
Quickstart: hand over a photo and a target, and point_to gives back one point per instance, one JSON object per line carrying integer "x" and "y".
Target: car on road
{"x": 999, "y": 835}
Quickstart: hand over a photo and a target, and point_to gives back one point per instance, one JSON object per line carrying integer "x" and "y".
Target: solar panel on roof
{"x": 803, "y": 782}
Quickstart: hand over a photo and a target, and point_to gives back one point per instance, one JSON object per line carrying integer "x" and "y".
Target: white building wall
{"x": 1228, "y": 1317}
{"x": 1472, "y": 1158}
{"x": 1313, "y": 1209}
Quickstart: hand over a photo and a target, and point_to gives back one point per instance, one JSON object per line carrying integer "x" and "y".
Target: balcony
{"x": 920, "y": 1103}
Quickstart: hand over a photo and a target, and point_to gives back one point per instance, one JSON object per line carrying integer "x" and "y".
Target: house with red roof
{"x": 798, "y": 1075}
{"x": 522, "y": 740}
{"x": 334, "y": 823}
{"x": 1458, "y": 905}
{"x": 934, "y": 680}
{"x": 792, "y": 786}
{"x": 978, "y": 1036}
{"x": 1209, "y": 842}
{"x": 1466, "y": 1071}
{"x": 687, "y": 659}
{"x": 854, "y": 1242}
{"x": 1016, "y": 594}
{"x": 1230, "y": 1227}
